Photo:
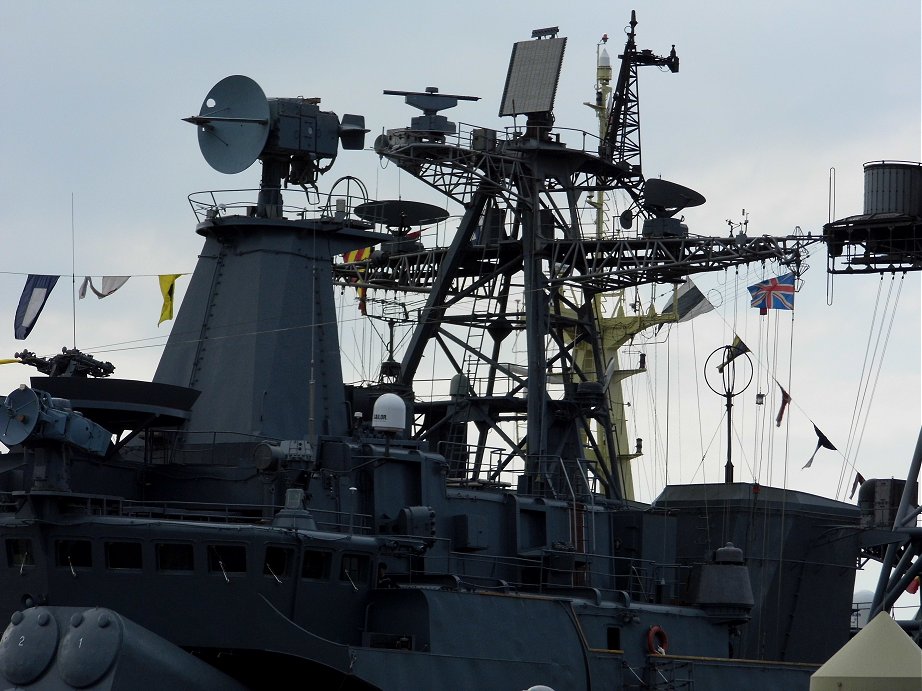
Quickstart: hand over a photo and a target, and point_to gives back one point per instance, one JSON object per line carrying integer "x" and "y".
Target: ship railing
{"x": 343, "y": 521}
{"x": 299, "y": 203}
{"x": 450, "y": 581}
{"x": 482, "y": 570}
{"x": 478, "y": 138}
{"x": 238, "y": 513}
{"x": 457, "y": 163}
{"x": 7, "y": 502}
{"x": 554, "y": 571}
{"x": 643, "y": 580}
{"x": 568, "y": 479}
{"x": 492, "y": 471}
{"x": 471, "y": 142}
{"x": 861, "y": 610}
{"x": 457, "y": 454}
{"x": 169, "y": 445}
{"x": 209, "y": 512}
{"x": 649, "y": 580}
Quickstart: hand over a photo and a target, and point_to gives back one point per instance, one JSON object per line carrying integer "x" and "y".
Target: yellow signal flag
{"x": 167, "y": 286}
{"x": 354, "y": 257}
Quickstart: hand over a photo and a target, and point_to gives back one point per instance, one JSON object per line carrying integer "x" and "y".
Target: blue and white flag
{"x": 31, "y": 303}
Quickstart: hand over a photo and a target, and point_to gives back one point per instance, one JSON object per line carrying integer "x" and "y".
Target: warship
{"x": 248, "y": 520}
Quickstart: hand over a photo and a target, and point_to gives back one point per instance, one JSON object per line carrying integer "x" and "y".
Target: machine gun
{"x": 70, "y": 363}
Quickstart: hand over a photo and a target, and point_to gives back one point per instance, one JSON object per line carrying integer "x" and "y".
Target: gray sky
{"x": 769, "y": 99}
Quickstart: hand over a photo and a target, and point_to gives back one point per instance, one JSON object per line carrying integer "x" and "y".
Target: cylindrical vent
{"x": 893, "y": 187}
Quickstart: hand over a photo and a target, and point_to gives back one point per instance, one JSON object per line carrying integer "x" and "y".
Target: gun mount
{"x": 70, "y": 363}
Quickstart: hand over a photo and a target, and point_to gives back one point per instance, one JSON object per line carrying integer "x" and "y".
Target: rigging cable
{"x": 864, "y": 367}
{"x": 668, "y": 408}
{"x": 873, "y": 370}
{"x": 653, "y": 386}
{"x": 880, "y": 362}
{"x": 784, "y": 495}
{"x": 698, "y": 407}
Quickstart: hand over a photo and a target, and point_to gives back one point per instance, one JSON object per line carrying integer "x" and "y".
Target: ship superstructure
{"x": 247, "y": 518}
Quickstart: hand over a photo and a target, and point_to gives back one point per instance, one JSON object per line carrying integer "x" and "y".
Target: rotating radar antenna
{"x": 292, "y": 137}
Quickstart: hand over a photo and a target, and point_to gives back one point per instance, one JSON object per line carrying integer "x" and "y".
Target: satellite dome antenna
{"x": 237, "y": 124}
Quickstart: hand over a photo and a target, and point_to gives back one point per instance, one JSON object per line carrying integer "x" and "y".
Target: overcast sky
{"x": 770, "y": 98}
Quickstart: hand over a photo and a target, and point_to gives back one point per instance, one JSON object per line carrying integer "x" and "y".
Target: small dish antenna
{"x": 665, "y": 199}
{"x": 19, "y": 415}
{"x": 233, "y": 124}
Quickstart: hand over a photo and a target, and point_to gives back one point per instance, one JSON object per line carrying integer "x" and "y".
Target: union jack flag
{"x": 775, "y": 293}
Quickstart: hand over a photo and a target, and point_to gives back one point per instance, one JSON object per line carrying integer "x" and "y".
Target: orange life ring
{"x": 657, "y": 640}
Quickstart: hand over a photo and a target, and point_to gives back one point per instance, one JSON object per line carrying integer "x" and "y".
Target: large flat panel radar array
{"x": 534, "y": 70}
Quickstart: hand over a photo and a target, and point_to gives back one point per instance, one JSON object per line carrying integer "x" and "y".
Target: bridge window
{"x": 123, "y": 555}
{"x": 19, "y": 553}
{"x": 278, "y": 561}
{"x": 174, "y": 556}
{"x": 355, "y": 568}
{"x": 227, "y": 558}
{"x": 75, "y": 554}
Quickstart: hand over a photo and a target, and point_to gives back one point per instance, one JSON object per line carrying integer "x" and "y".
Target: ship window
{"x": 174, "y": 556}
{"x": 316, "y": 564}
{"x": 278, "y": 561}
{"x": 74, "y": 553}
{"x": 355, "y": 568}
{"x": 123, "y": 555}
{"x": 19, "y": 553}
{"x": 614, "y": 638}
{"x": 227, "y": 558}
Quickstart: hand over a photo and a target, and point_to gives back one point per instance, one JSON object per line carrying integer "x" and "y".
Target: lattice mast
{"x": 621, "y": 142}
